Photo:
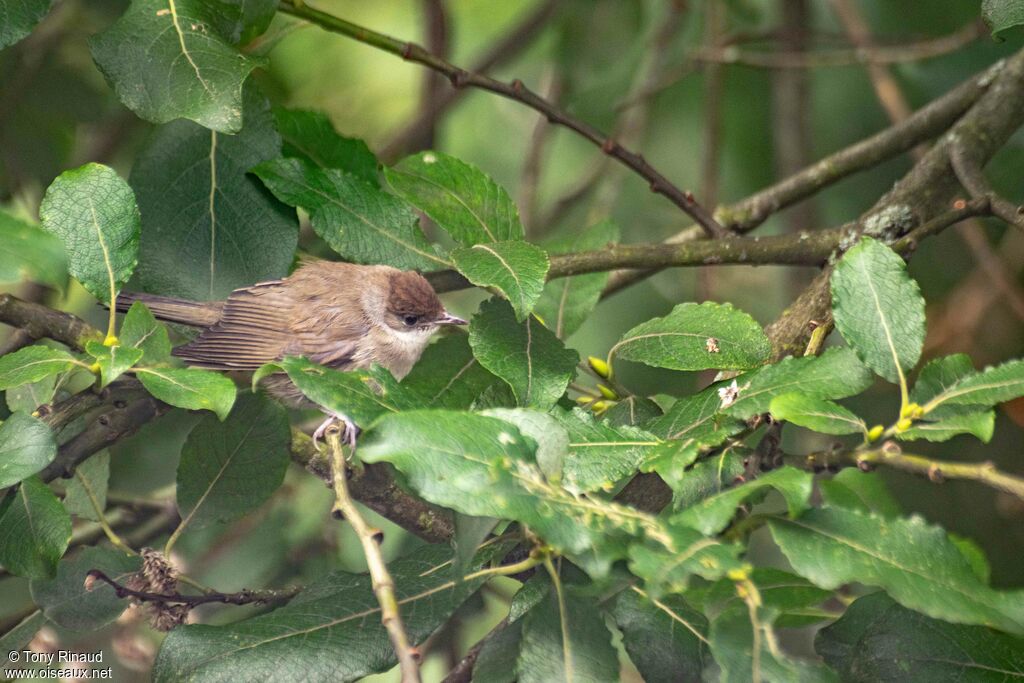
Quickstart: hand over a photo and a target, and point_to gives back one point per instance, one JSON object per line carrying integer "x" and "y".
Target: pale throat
{"x": 398, "y": 350}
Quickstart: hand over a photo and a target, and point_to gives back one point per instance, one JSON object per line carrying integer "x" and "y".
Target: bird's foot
{"x": 349, "y": 430}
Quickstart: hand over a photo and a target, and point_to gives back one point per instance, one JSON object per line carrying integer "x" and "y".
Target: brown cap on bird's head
{"x": 411, "y": 296}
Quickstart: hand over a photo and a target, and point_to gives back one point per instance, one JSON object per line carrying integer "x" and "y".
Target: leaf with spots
{"x": 189, "y": 388}
{"x": 527, "y": 355}
{"x": 516, "y": 269}
{"x": 208, "y": 226}
{"x": 93, "y": 212}
{"x": 356, "y": 219}
{"x": 167, "y": 59}
{"x": 879, "y": 309}
{"x": 697, "y": 337}
{"x": 460, "y": 198}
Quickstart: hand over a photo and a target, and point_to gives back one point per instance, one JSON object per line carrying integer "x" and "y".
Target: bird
{"x": 344, "y": 316}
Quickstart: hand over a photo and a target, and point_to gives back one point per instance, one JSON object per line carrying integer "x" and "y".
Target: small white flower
{"x": 729, "y": 394}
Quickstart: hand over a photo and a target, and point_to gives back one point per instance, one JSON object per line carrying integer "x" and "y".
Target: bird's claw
{"x": 349, "y": 430}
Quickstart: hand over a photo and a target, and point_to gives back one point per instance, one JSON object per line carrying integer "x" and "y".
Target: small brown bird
{"x": 341, "y": 315}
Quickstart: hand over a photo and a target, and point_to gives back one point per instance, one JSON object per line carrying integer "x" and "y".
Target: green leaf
{"x": 713, "y": 514}
{"x": 696, "y": 417}
{"x": 337, "y": 617}
{"x": 1001, "y": 15}
{"x": 837, "y": 373}
{"x": 28, "y": 253}
{"x": 96, "y": 473}
{"x": 17, "y": 19}
{"x": 691, "y": 553}
{"x": 793, "y": 598}
{"x": 190, "y": 389}
{"x": 27, "y": 397}
{"x": 244, "y": 20}
{"x": 32, "y": 364}
{"x": 208, "y": 226}
{"x": 357, "y": 220}
{"x": 92, "y": 210}
{"x": 986, "y": 388}
{"x": 65, "y": 600}
{"x": 114, "y": 361}
{"x": 733, "y": 639}
{"x": 460, "y": 198}
{"x": 878, "y": 308}
{"x": 566, "y": 302}
{"x": 912, "y": 560}
{"x": 141, "y": 331}
{"x": 527, "y": 355}
{"x": 550, "y": 437}
{"x": 817, "y": 414}
{"x": 362, "y": 395}
{"x": 516, "y": 269}
{"x": 697, "y": 337}
{"x": 664, "y": 646}
{"x": 598, "y": 454}
{"x": 981, "y": 425}
{"x": 34, "y": 530}
{"x": 18, "y": 637}
{"x": 566, "y": 640}
{"x": 446, "y": 456}
{"x": 232, "y": 467}
{"x": 633, "y": 411}
{"x": 26, "y": 446}
{"x": 309, "y": 135}
{"x": 877, "y": 640}
{"x": 862, "y": 491}
{"x": 167, "y": 59}
{"x": 496, "y": 662}
{"x": 447, "y": 375}
{"x": 706, "y": 478}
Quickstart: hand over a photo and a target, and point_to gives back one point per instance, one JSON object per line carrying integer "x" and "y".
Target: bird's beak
{"x": 449, "y": 319}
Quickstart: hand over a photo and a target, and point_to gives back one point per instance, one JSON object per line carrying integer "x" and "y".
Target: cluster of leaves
{"x": 483, "y": 425}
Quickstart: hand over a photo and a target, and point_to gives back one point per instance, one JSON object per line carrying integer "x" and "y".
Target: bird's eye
{"x": 411, "y": 320}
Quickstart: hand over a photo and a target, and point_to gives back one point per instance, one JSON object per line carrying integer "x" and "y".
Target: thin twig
{"x": 244, "y": 597}
{"x": 745, "y": 215}
{"x": 517, "y": 91}
{"x": 513, "y": 43}
{"x": 891, "y": 455}
{"x": 969, "y": 173}
{"x": 380, "y": 577}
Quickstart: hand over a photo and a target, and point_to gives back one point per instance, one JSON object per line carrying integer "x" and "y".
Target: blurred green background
{"x": 722, "y": 130}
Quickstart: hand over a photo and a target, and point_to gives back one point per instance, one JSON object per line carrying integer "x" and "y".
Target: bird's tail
{"x": 170, "y": 309}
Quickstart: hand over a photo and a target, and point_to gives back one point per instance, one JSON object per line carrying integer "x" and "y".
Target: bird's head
{"x": 413, "y": 306}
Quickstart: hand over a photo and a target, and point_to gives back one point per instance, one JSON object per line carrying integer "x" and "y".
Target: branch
{"x": 747, "y": 214}
{"x": 243, "y": 597}
{"x": 804, "y": 249}
{"x": 39, "y": 321}
{"x": 383, "y": 585}
{"x": 461, "y": 78}
{"x": 913, "y": 52}
{"x": 969, "y": 172}
{"x": 891, "y": 455}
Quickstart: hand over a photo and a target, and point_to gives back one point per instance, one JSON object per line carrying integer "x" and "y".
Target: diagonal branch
{"x": 461, "y": 78}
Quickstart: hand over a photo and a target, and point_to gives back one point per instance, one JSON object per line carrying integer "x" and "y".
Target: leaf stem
{"x": 383, "y": 583}
{"x": 101, "y": 518}
{"x": 563, "y": 617}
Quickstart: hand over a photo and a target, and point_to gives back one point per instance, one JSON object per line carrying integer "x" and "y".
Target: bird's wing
{"x": 253, "y": 330}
